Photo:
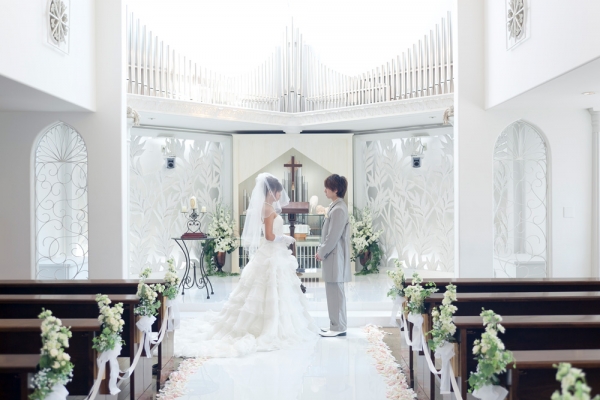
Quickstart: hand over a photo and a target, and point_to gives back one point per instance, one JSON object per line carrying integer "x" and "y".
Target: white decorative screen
{"x": 520, "y": 203}
{"x": 413, "y": 206}
{"x": 61, "y": 205}
{"x": 157, "y": 194}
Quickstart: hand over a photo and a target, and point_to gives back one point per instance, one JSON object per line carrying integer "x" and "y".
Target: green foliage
{"x": 372, "y": 266}
{"x": 492, "y": 358}
{"x": 573, "y": 384}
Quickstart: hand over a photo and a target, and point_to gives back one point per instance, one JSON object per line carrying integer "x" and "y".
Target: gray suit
{"x": 335, "y": 253}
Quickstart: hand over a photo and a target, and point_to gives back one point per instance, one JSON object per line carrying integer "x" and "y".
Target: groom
{"x": 334, "y": 252}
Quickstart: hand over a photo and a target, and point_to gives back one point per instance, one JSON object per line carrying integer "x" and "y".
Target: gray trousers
{"x": 336, "y": 305}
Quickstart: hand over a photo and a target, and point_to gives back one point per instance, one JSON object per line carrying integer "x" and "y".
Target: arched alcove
{"x": 61, "y": 205}
{"x": 521, "y": 203}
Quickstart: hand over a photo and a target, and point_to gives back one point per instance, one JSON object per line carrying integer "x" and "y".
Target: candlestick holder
{"x": 194, "y": 226}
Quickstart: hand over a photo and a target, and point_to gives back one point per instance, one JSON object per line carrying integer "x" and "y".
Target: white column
{"x": 595, "y": 270}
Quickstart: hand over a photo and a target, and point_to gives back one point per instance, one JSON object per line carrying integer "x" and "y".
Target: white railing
{"x": 292, "y": 79}
{"x": 305, "y": 254}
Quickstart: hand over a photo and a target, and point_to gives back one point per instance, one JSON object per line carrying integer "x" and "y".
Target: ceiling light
{"x": 588, "y": 93}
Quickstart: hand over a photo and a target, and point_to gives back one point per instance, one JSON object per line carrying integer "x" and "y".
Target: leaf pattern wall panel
{"x": 413, "y": 206}
{"x": 157, "y": 194}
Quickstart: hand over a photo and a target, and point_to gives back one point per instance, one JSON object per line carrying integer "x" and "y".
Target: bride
{"x": 267, "y": 309}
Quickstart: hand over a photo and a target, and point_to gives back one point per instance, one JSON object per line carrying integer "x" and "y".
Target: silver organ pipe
{"x": 292, "y": 79}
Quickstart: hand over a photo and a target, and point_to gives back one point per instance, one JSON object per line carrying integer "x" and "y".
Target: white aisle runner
{"x": 326, "y": 369}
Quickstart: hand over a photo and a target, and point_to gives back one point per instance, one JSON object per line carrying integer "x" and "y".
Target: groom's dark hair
{"x": 337, "y": 184}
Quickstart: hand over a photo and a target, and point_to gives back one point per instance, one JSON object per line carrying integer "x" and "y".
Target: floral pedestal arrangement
{"x": 215, "y": 251}
{"x": 364, "y": 245}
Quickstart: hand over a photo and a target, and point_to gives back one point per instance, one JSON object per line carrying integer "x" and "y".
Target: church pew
{"x": 105, "y": 286}
{"x": 14, "y": 372}
{"x": 527, "y": 332}
{"x": 514, "y": 303}
{"x": 532, "y": 376}
{"x": 83, "y": 306}
{"x": 483, "y": 285}
{"x": 22, "y": 336}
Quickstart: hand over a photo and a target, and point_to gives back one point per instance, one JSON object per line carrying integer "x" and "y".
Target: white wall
{"x": 28, "y": 58}
{"x": 563, "y": 36}
{"x": 569, "y": 136}
{"x": 104, "y": 135}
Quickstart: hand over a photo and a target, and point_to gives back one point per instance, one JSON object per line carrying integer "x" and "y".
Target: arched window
{"x": 520, "y": 203}
{"x": 61, "y": 205}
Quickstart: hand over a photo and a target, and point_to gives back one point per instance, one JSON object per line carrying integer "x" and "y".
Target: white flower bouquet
{"x": 416, "y": 294}
{"x": 56, "y": 368}
{"x": 398, "y": 279}
{"x": 221, "y": 228}
{"x": 172, "y": 280}
{"x": 573, "y": 384}
{"x": 364, "y": 241}
{"x": 443, "y": 329}
{"x": 112, "y": 325}
{"x": 148, "y": 294}
{"x": 363, "y": 232}
{"x": 492, "y": 358}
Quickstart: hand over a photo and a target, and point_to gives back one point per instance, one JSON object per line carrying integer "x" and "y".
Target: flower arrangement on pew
{"x": 172, "y": 280}
{"x": 442, "y": 335}
{"x": 396, "y": 293}
{"x": 417, "y": 294}
{"x": 148, "y": 307}
{"x": 363, "y": 244}
{"x": 112, "y": 325}
{"x": 573, "y": 384}
{"x": 108, "y": 343}
{"x": 415, "y": 306}
{"x": 443, "y": 329}
{"x": 148, "y": 294}
{"x": 222, "y": 229}
{"x": 398, "y": 279}
{"x": 492, "y": 359}
{"x": 170, "y": 293}
{"x": 56, "y": 369}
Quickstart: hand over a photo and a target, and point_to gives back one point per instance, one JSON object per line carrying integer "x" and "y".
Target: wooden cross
{"x": 293, "y": 165}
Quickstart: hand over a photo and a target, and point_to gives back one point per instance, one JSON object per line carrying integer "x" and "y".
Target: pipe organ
{"x": 292, "y": 79}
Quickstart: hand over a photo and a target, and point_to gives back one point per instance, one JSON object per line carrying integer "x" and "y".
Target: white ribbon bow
{"x": 445, "y": 352}
{"x": 398, "y": 301}
{"x": 172, "y": 314}
{"x": 145, "y": 325}
{"x": 109, "y": 357}
{"x": 59, "y": 392}
{"x": 417, "y": 331}
{"x": 490, "y": 392}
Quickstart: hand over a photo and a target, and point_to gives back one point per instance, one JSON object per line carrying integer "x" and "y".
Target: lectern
{"x": 291, "y": 210}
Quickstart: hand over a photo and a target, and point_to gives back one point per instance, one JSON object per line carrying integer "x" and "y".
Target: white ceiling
{"x": 15, "y": 96}
{"x": 563, "y": 92}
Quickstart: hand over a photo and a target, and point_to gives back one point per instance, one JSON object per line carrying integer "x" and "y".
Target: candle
{"x": 183, "y": 209}
{"x": 203, "y": 209}
{"x": 193, "y": 202}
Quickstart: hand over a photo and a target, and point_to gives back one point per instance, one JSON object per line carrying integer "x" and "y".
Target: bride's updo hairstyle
{"x": 272, "y": 185}
{"x": 337, "y": 184}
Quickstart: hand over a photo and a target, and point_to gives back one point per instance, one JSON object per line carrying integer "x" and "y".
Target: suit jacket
{"x": 335, "y": 244}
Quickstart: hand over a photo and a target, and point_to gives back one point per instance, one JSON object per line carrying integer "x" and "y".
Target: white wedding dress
{"x": 266, "y": 311}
